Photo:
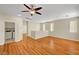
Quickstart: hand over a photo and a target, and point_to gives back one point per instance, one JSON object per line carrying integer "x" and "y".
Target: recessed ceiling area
{"x": 49, "y": 11}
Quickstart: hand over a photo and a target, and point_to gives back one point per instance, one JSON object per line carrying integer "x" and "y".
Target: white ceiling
{"x": 49, "y": 11}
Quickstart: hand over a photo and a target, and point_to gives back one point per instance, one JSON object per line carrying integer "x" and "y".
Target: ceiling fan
{"x": 32, "y": 10}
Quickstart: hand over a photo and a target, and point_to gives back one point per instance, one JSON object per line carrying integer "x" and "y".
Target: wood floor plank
{"x": 43, "y": 46}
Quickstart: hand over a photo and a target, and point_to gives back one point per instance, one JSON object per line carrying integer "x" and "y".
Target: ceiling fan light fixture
{"x": 32, "y": 12}
{"x": 19, "y": 15}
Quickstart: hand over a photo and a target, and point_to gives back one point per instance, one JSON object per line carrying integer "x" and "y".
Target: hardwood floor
{"x": 43, "y": 46}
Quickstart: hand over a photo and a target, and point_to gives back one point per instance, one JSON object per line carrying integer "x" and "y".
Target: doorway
{"x": 9, "y": 32}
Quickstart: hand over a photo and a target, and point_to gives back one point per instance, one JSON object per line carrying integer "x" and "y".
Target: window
{"x": 73, "y": 26}
{"x": 43, "y": 27}
{"x": 52, "y": 27}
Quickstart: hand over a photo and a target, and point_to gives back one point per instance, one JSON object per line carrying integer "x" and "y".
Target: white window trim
{"x": 73, "y": 26}
{"x": 51, "y": 26}
{"x": 44, "y": 27}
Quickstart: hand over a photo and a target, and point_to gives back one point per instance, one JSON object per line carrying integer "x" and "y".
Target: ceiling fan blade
{"x": 36, "y": 9}
{"x": 38, "y": 13}
{"x": 24, "y": 11}
{"x": 27, "y": 6}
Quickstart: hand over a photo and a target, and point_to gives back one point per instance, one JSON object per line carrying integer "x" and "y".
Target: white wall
{"x": 18, "y": 28}
{"x": 1, "y": 31}
{"x": 33, "y": 26}
{"x": 62, "y": 28}
{"x": 25, "y": 26}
